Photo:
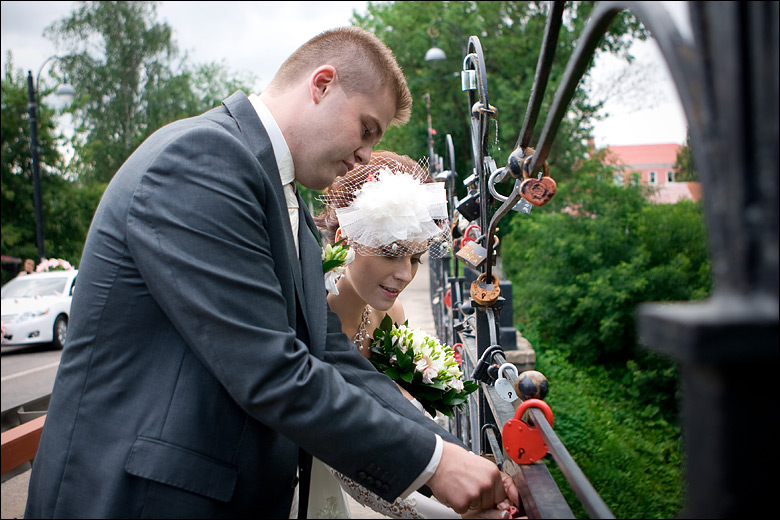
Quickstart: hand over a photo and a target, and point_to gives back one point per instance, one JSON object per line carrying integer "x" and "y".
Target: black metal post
{"x": 431, "y": 155}
{"x": 31, "y": 108}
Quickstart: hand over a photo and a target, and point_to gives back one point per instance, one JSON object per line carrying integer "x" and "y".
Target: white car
{"x": 36, "y": 308}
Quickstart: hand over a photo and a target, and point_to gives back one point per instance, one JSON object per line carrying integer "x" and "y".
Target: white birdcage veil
{"x": 387, "y": 208}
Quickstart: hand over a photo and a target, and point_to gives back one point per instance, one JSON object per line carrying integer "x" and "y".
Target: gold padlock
{"x": 484, "y": 293}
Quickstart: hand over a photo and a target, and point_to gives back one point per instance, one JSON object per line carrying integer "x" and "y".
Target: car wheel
{"x": 60, "y": 331}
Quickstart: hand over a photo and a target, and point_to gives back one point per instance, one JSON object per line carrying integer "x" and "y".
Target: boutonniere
{"x": 335, "y": 259}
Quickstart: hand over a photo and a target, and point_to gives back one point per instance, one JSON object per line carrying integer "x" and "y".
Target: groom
{"x": 201, "y": 356}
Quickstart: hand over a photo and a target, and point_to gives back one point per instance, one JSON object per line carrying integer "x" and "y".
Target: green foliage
{"x": 510, "y": 34}
{"x": 121, "y": 61}
{"x": 580, "y": 269}
{"x": 67, "y": 206}
{"x": 631, "y": 455}
{"x": 684, "y": 167}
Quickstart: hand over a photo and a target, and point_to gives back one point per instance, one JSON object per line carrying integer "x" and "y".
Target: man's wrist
{"x": 429, "y": 470}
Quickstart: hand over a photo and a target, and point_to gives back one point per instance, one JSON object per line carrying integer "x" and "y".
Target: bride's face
{"x": 378, "y": 280}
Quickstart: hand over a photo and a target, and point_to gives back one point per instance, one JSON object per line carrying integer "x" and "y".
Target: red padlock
{"x": 523, "y": 443}
{"x": 466, "y": 234}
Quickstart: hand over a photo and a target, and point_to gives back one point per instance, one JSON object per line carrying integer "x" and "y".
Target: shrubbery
{"x": 580, "y": 267}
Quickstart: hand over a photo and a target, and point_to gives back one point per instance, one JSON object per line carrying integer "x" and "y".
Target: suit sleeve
{"x": 201, "y": 228}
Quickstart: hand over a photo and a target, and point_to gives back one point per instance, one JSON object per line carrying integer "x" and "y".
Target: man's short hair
{"x": 363, "y": 62}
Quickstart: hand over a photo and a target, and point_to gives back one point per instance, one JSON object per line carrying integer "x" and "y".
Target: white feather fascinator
{"x": 386, "y": 208}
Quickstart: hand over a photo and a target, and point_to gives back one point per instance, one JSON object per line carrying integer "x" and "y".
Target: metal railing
{"x": 725, "y": 67}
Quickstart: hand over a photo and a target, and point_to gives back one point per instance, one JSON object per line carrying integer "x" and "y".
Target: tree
{"x": 580, "y": 270}
{"x": 18, "y": 215}
{"x": 121, "y": 63}
{"x": 121, "y": 60}
{"x": 511, "y": 35}
{"x": 67, "y": 206}
{"x": 683, "y": 166}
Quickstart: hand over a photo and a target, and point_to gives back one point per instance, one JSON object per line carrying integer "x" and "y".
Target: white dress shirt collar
{"x": 281, "y": 150}
{"x": 283, "y": 162}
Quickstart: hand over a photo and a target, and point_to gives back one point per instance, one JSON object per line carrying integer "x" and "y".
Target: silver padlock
{"x": 523, "y": 206}
{"x": 503, "y": 387}
{"x": 472, "y": 254}
{"x": 468, "y": 79}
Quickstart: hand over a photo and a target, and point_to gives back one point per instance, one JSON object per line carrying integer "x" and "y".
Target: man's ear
{"x": 322, "y": 80}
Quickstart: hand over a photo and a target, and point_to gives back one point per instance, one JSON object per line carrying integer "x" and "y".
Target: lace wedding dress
{"x": 328, "y": 499}
{"x": 329, "y": 489}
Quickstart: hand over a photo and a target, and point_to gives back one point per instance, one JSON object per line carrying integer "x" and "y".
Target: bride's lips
{"x": 389, "y": 291}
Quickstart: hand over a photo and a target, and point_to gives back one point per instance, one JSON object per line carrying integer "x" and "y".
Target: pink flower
{"x": 429, "y": 373}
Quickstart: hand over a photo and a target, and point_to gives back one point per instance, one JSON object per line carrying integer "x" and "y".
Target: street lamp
{"x": 435, "y": 53}
{"x": 67, "y": 93}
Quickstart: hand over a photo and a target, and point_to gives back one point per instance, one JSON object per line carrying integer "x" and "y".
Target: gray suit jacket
{"x": 201, "y": 353}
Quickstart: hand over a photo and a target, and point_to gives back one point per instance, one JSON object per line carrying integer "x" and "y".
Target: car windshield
{"x": 29, "y": 287}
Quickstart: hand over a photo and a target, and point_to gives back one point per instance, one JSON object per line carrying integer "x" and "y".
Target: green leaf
{"x": 327, "y": 265}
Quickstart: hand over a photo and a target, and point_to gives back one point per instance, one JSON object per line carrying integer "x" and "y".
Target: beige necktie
{"x": 292, "y": 200}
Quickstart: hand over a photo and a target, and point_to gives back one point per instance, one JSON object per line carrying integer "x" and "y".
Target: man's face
{"x": 339, "y": 134}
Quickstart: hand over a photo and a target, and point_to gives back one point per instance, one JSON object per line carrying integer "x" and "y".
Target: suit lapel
{"x": 256, "y": 137}
{"x": 315, "y": 302}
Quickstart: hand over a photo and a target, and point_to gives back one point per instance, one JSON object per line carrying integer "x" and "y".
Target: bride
{"x": 390, "y": 214}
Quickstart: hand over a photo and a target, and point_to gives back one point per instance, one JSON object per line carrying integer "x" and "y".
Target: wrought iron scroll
{"x": 725, "y": 68}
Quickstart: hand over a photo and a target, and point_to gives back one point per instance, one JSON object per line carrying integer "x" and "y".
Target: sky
{"x": 256, "y": 37}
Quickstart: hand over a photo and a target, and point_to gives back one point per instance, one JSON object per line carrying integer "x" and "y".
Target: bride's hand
{"x": 502, "y": 510}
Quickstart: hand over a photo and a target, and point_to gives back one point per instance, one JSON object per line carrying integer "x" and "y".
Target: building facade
{"x": 652, "y": 165}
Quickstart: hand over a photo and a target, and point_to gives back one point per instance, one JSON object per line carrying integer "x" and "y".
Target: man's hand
{"x": 465, "y": 481}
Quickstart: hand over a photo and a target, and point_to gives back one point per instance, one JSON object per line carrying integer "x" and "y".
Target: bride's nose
{"x": 403, "y": 271}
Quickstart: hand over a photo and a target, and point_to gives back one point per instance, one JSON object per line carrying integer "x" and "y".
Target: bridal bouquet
{"x": 419, "y": 363}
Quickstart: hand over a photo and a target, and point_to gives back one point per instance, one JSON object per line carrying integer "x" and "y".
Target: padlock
{"x": 469, "y": 207}
{"x": 471, "y": 253}
{"x": 485, "y": 293}
{"x": 503, "y": 387}
{"x": 537, "y": 190}
{"x": 523, "y": 443}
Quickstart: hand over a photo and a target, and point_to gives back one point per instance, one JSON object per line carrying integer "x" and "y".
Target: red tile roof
{"x": 634, "y": 155}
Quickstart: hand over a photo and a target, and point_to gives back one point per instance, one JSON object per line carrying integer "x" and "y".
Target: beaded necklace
{"x": 361, "y": 334}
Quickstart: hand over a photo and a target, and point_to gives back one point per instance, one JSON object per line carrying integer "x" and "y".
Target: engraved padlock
{"x": 523, "y": 443}
{"x": 485, "y": 293}
{"x": 538, "y": 190}
{"x": 471, "y": 253}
